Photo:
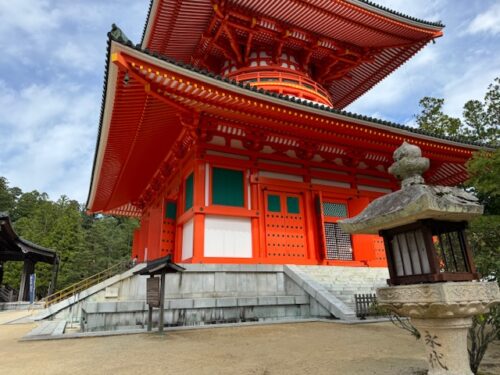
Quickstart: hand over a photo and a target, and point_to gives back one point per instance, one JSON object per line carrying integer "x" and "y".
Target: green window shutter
{"x": 170, "y": 210}
{"x": 273, "y": 203}
{"x": 227, "y": 187}
{"x": 189, "y": 190}
{"x": 292, "y": 205}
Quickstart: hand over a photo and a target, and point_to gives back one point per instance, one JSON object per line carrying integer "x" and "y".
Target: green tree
{"x": 482, "y": 119}
{"x": 434, "y": 120}
{"x": 8, "y": 196}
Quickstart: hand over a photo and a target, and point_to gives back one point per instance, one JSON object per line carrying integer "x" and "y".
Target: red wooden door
{"x": 285, "y": 226}
{"x": 169, "y": 228}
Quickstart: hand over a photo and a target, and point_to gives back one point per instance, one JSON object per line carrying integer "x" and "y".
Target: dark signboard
{"x": 153, "y": 291}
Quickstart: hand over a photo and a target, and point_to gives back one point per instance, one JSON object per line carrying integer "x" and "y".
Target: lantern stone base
{"x": 445, "y": 342}
{"x": 442, "y": 312}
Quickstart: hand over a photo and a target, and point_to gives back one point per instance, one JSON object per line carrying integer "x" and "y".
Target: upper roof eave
{"x": 156, "y": 37}
{"x": 365, "y": 4}
{"x": 297, "y": 104}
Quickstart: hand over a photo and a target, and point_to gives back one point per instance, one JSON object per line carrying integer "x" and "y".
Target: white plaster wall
{"x": 187, "y": 240}
{"x": 229, "y": 237}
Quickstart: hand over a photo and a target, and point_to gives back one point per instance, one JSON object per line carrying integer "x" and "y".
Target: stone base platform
{"x": 221, "y": 293}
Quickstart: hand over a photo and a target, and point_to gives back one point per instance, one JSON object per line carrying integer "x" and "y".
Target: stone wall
{"x": 203, "y": 294}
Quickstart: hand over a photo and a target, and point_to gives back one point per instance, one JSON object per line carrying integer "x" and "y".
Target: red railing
{"x": 287, "y": 82}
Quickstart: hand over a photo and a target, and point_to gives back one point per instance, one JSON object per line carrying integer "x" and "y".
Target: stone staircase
{"x": 344, "y": 282}
{"x": 334, "y": 287}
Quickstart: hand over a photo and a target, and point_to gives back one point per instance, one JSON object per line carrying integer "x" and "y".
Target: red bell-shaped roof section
{"x": 347, "y": 46}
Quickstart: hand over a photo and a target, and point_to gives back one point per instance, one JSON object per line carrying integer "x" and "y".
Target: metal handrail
{"x": 84, "y": 284}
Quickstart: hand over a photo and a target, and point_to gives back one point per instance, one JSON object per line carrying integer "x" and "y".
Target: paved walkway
{"x": 8, "y": 316}
{"x": 300, "y": 348}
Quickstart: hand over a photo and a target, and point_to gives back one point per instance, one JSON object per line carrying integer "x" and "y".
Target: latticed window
{"x": 334, "y": 209}
{"x": 338, "y": 242}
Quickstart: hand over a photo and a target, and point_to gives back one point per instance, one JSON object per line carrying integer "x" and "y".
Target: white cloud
{"x": 83, "y": 57}
{"x": 49, "y": 137}
{"x": 486, "y": 22}
{"x": 471, "y": 85}
{"x": 51, "y": 69}
{"x": 26, "y": 25}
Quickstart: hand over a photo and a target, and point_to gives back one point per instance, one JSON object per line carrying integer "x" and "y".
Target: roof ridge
{"x": 147, "y": 21}
{"x": 400, "y": 14}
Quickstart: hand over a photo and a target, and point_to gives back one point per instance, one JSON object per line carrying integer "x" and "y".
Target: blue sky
{"x": 52, "y": 65}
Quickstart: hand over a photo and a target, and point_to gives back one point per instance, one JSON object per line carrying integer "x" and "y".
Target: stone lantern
{"x": 432, "y": 275}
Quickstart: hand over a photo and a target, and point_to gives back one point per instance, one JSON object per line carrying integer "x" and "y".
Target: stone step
{"x": 344, "y": 282}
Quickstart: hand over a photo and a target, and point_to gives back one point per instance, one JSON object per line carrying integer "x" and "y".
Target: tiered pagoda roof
{"x": 154, "y": 89}
{"x": 346, "y": 45}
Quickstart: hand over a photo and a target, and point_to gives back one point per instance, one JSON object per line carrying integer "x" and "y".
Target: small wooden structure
{"x": 155, "y": 293}
{"x": 15, "y": 248}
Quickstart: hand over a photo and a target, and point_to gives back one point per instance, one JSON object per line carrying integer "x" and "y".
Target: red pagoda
{"x": 223, "y": 131}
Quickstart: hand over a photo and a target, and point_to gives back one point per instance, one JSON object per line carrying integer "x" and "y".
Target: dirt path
{"x": 305, "y": 348}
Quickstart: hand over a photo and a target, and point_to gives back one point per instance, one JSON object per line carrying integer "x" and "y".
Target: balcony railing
{"x": 284, "y": 82}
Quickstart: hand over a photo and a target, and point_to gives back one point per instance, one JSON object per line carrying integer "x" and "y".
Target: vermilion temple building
{"x": 224, "y": 130}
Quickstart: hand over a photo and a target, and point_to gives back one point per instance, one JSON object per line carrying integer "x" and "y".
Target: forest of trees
{"x": 86, "y": 244}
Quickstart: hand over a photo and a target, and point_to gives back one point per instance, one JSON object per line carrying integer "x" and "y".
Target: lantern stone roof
{"x": 415, "y": 200}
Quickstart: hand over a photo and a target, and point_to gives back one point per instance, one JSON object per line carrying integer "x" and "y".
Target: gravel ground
{"x": 299, "y": 348}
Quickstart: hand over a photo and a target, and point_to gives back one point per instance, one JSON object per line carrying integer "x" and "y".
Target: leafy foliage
{"x": 85, "y": 244}
{"x": 433, "y": 119}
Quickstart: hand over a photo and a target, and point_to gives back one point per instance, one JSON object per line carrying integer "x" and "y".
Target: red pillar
{"x": 199, "y": 204}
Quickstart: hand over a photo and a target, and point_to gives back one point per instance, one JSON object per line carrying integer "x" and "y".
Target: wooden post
{"x": 162, "y": 302}
{"x": 53, "y": 281}
{"x": 150, "y": 315}
{"x": 28, "y": 269}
